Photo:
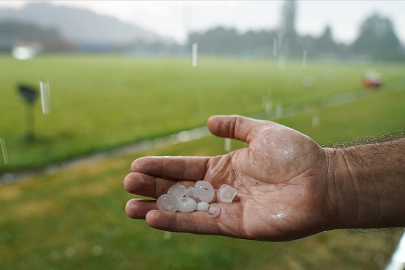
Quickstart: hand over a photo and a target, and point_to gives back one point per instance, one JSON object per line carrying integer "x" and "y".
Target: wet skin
{"x": 281, "y": 179}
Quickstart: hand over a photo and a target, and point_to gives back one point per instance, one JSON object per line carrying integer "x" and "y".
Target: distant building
{"x": 47, "y": 45}
{"x": 93, "y": 47}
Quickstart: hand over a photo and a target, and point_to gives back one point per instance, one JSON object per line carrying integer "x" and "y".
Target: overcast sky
{"x": 175, "y": 18}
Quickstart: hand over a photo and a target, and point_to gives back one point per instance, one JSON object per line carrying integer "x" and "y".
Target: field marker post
{"x": 29, "y": 95}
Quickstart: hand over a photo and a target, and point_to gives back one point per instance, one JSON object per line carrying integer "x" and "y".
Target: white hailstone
{"x": 190, "y": 194}
{"x": 204, "y": 191}
{"x": 187, "y": 205}
{"x": 214, "y": 209}
{"x": 168, "y": 203}
{"x": 202, "y": 206}
{"x": 177, "y": 190}
{"x": 226, "y": 193}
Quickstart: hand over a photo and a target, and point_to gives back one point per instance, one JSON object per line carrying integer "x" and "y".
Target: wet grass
{"x": 74, "y": 217}
{"x": 98, "y": 102}
{"x": 375, "y": 116}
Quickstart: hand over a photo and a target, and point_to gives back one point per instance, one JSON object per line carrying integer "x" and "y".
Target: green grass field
{"x": 73, "y": 217}
{"x": 98, "y": 102}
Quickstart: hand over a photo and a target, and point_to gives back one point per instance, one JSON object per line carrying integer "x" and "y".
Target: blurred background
{"x": 88, "y": 86}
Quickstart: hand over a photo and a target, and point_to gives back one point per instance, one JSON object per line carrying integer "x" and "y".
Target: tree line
{"x": 377, "y": 40}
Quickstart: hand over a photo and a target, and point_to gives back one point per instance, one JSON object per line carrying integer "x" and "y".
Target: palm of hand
{"x": 280, "y": 177}
{"x": 281, "y": 192}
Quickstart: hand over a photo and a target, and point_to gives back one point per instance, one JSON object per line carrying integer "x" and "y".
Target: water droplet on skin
{"x": 280, "y": 215}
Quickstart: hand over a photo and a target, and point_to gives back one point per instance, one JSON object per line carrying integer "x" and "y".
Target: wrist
{"x": 352, "y": 200}
{"x": 366, "y": 187}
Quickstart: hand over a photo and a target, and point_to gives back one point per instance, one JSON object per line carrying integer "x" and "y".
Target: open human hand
{"x": 281, "y": 178}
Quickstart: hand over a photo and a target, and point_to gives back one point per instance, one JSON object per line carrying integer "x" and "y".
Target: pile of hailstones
{"x": 199, "y": 197}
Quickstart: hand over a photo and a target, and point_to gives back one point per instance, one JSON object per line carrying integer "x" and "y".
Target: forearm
{"x": 366, "y": 185}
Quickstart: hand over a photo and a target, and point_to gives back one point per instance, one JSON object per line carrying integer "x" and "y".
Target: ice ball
{"x": 177, "y": 190}
{"x": 187, "y": 205}
{"x": 168, "y": 203}
{"x": 226, "y": 193}
{"x": 190, "y": 194}
{"x": 204, "y": 191}
{"x": 214, "y": 209}
{"x": 202, "y": 206}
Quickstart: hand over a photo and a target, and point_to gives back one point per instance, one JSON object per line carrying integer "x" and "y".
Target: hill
{"x": 81, "y": 25}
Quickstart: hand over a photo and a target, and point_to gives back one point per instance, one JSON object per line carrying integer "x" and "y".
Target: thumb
{"x": 235, "y": 126}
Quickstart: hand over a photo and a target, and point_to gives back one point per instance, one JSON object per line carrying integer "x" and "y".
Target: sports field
{"x": 99, "y": 102}
{"x": 73, "y": 218}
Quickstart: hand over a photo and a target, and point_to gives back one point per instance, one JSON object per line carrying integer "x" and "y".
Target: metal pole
{"x": 30, "y": 123}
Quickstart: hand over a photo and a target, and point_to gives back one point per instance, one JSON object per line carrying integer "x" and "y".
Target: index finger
{"x": 184, "y": 168}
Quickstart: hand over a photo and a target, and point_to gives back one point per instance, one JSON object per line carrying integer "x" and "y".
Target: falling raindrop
{"x": 308, "y": 81}
{"x": 279, "y": 111}
{"x": 194, "y": 55}
{"x": 45, "y": 94}
{"x": 70, "y": 251}
{"x": 281, "y": 62}
{"x": 330, "y": 75}
{"x": 315, "y": 120}
{"x": 227, "y": 146}
{"x": 4, "y": 150}
{"x": 97, "y": 250}
{"x": 167, "y": 235}
{"x": 267, "y": 102}
{"x": 54, "y": 255}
